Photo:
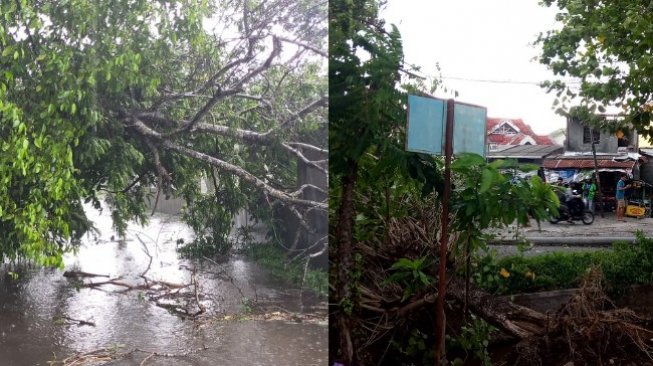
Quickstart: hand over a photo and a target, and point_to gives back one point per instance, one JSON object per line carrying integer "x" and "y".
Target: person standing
{"x": 591, "y": 191}
{"x": 620, "y": 195}
{"x": 586, "y": 192}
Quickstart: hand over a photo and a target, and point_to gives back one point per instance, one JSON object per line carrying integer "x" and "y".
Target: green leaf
{"x": 496, "y": 164}
{"x": 487, "y": 178}
{"x": 7, "y": 51}
{"x": 466, "y": 160}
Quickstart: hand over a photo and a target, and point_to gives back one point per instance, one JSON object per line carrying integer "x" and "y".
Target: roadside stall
{"x": 639, "y": 199}
{"x": 575, "y": 167}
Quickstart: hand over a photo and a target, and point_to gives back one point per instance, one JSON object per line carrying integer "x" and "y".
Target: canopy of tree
{"x": 106, "y": 99}
{"x": 607, "y": 46}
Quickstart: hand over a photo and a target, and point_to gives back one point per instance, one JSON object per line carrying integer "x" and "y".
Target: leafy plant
{"x": 274, "y": 259}
{"x": 410, "y": 274}
{"x": 474, "y": 339}
{"x": 247, "y": 305}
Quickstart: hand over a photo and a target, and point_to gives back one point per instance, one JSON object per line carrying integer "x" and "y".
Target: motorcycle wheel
{"x": 553, "y": 219}
{"x": 588, "y": 218}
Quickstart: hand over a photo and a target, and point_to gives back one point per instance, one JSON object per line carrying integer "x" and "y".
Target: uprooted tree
{"x": 104, "y": 100}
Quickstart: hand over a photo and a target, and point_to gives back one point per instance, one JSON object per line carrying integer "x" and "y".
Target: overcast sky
{"x": 482, "y": 40}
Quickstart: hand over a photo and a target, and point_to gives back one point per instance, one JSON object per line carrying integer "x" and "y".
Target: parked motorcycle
{"x": 577, "y": 210}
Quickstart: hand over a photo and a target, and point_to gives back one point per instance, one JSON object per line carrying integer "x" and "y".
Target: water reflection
{"x": 29, "y": 334}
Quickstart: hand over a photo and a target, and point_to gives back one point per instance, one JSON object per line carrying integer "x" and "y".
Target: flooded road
{"x": 41, "y": 310}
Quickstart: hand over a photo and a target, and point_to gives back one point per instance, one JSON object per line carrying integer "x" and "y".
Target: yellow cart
{"x": 639, "y": 201}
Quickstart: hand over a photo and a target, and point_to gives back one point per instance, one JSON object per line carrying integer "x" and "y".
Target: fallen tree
{"x": 109, "y": 101}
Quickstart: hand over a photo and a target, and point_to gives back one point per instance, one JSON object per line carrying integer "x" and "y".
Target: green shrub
{"x": 625, "y": 265}
{"x": 473, "y": 341}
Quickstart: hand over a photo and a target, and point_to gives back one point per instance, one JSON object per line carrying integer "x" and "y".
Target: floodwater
{"x": 130, "y": 326}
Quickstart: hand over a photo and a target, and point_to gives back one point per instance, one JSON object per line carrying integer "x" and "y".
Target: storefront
{"x": 574, "y": 168}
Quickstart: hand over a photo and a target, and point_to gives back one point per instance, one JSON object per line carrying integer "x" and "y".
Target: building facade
{"x": 579, "y": 139}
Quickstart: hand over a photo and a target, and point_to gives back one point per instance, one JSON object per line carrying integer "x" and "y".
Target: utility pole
{"x": 596, "y": 175}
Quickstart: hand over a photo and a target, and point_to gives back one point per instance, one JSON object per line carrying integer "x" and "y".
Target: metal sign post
{"x": 431, "y": 131}
{"x": 440, "y": 320}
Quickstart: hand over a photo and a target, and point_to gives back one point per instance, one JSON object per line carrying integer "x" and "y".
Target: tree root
{"x": 74, "y": 321}
{"x": 103, "y": 355}
{"x": 590, "y": 330}
{"x": 156, "y": 291}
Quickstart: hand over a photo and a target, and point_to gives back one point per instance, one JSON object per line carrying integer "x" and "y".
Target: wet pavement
{"x": 130, "y": 325}
{"x": 567, "y": 237}
{"x": 603, "y": 227}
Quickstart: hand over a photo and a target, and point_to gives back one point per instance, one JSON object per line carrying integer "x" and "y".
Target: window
{"x": 587, "y": 135}
{"x": 505, "y": 129}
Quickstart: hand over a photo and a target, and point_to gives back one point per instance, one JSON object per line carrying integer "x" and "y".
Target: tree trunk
{"x": 344, "y": 258}
{"x": 515, "y": 320}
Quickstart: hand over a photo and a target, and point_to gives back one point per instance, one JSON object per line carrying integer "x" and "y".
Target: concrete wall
{"x": 608, "y": 141}
{"x": 308, "y": 174}
{"x": 170, "y": 206}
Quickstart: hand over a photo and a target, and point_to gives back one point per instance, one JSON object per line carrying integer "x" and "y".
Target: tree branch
{"x": 305, "y": 159}
{"x": 308, "y": 146}
{"x": 300, "y": 44}
{"x": 124, "y": 190}
{"x": 321, "y": 102}
{"x": 252, "y": 136}
{"x": 276, "y": 50}
{"x": 243, "y": 174}
{"x": 220, "y": 164}
{"x": 233, "y": 90}
{"x": 219, "y": 95}
{"x": 175, "y": 96}
{"x": 301, "y": 189}
{"x": 157, "y": 161}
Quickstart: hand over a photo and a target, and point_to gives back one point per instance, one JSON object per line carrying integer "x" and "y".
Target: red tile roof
{"x": 524, "y": 130}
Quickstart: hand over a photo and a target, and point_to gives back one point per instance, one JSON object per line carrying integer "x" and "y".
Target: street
{"x": 568, "y": 237}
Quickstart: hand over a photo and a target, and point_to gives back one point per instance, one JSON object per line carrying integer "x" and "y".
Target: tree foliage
{"x": 106, "y": 99}
{"x": 367, "y": 116}
{"x": 607, "y": 46}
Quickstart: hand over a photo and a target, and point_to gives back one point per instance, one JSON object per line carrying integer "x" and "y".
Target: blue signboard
{"x": 426, "y": 118}
{"x": 470, "y": 129}
{"x": 426, "y": 126}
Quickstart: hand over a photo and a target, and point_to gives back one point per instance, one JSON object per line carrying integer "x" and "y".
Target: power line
{"x": 497, "y": 81}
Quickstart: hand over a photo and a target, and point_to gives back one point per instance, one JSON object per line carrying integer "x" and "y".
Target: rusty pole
{"x": 440, "y": 320}
{"x": 597, "y": 177}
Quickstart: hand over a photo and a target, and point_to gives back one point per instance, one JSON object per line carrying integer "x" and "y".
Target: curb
{"x": 571, "y": 241}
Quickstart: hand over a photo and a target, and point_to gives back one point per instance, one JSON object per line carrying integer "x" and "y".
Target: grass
{"x": 274, "y": 259}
